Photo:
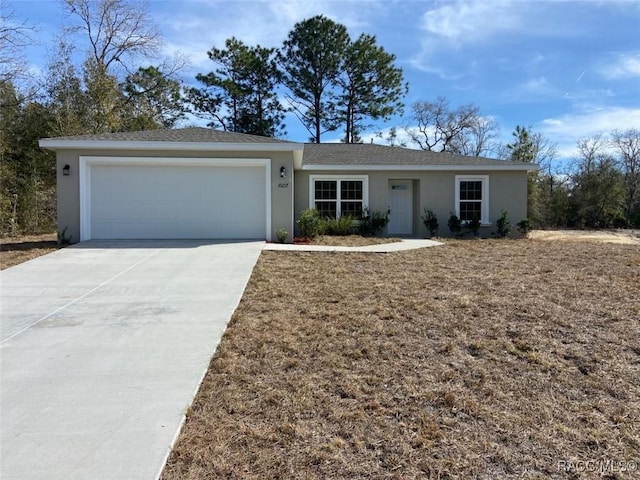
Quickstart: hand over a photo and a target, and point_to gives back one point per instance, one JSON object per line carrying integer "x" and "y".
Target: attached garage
{"x": 190, "y": 183}
{"x": 138, "y": 198}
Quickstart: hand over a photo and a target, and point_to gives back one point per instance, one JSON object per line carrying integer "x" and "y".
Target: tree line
{"x": 598, "y": 188}
{"x": 102, "y": 94}
{"x": 330, "y": 81}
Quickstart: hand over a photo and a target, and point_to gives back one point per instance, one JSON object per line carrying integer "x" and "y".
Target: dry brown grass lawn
{"x": 351, "y": 240}
{"x": 477, "y": 359}
{"x": 16, "y": 250}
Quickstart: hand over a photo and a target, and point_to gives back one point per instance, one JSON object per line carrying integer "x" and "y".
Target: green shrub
{"x": 309, "y": 223}
{"x": 337, "y": 226}
{"x": 455, "y": 224}
{"x": 281, "y": 235}
{"x": 474, "y": 225}
{"x": 503, "y": 224}
{"x": 524, "y": 226}
{"x": 430, "y": 221}
{"x": 372, "y": 223}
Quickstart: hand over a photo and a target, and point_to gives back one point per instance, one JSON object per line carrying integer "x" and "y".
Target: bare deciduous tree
{"x": 591, "y": 152}
{"x": 117, "y": 30}
{"x": 598, "y": 193}
{"x": 479, "y": 140}
{"x": 461, "y": 130}
{"x": 627, "y": 148}
{"x": 118, "y": 33}
{"x": 14, "y": 38}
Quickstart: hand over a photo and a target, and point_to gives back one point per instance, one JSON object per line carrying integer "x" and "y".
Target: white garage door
{"x": 168, "y": 201}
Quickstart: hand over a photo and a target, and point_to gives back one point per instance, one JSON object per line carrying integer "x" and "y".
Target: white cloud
{"x": 624, "y": 66}
{"x": 254, "y": 22}
{"x": 537, "y": 85}
{"x": 200, "y": 25}
{"x": 455, "y": 25}
{"x": 590, "y": 94}
{"x": 469, "y": 21}
{"x": 593, "y": 121}
{"x": 567, "y": 129}
{"x": 489, "y": 28}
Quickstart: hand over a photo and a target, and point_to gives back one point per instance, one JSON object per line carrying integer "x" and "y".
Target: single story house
{"x": 204, "y": 183}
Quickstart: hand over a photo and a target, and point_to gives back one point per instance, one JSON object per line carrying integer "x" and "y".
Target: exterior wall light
{"x": 66, "y": 170}
{"x": 283, "y": 172}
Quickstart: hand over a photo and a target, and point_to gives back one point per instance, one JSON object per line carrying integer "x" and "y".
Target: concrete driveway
{"x": 103, "y": 346}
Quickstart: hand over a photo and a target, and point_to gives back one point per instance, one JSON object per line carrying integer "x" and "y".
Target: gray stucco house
{"x": 203, "y": 183}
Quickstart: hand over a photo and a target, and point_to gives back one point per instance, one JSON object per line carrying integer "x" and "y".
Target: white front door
{"x": 401, "y": 206}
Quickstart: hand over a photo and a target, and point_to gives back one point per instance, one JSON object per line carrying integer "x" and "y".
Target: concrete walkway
{"x": 103, "y": 346}
{"x": 405, "y": 244}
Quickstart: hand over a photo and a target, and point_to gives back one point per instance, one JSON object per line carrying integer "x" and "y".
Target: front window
{"x": 335, "y": 196}
{"x": 326, "y": 197}
{"x": 472, "y": 197}
{"x": 470, "y": 200}
{"x": 351, "y": 198}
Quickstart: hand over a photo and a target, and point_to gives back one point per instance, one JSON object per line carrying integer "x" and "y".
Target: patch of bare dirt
{"x": 16, "y": 250}
{"x": 491, "y": 359}
{"x": 627, "y": 237}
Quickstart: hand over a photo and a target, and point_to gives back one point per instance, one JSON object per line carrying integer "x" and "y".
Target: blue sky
{"x": 568, "y": 69}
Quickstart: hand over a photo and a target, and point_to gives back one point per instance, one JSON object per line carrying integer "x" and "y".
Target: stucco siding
{"x": 68, "y": 193}
{"x": 290, "y": 194}
{"x": 508, "y": 191}
{"x": 434, "y": 190}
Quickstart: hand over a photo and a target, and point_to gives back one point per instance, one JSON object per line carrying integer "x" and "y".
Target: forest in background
{"x": 331, "y": 82}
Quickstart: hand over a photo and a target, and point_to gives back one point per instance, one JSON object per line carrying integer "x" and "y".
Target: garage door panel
{"x": 137, "y": 202}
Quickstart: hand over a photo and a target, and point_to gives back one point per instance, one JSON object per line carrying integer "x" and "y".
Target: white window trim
{"x": 363, "y": 178}
{"x": 484, "y": 208}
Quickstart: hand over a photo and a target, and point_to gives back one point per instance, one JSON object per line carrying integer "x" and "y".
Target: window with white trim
{"x": 472, "y": 197}
{"x": 337, "y": 195}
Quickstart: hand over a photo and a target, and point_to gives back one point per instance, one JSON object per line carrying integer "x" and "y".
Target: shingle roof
{"x": 186, "y": 135}
{"x": 315, "y": 155}
{"x": 371, "y": 154}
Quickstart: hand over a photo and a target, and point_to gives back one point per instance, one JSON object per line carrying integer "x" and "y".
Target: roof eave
{"x": 433, "y": 168}
{"x": 60, "y": 144}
